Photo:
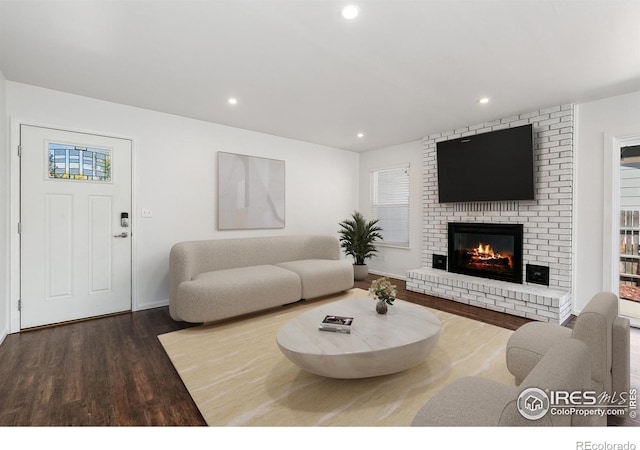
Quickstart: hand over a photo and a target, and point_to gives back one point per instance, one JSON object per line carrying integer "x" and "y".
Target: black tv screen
{"x": 493, "y": 166}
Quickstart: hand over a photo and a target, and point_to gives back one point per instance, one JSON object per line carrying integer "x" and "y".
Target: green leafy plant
{"x": 382, "y": 289}
{"x": 357, "y": 237}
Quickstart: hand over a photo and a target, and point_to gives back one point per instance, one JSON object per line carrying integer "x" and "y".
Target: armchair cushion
{"x": 467, "y": 402}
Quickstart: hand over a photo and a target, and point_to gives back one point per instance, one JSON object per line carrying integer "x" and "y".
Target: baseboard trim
{"x": 151, "y": 305}
{"x": 568, "y": 320}
{"x": 390, "y": 275}
{"x": 3, "y": 335}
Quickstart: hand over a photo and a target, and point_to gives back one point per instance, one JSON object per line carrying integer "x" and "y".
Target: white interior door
{"x": 75, "y": 250}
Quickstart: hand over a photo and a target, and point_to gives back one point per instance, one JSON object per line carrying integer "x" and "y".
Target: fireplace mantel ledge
{"x": 525, "y": 300}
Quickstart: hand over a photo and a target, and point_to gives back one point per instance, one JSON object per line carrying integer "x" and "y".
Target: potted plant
{"x": 357, "y": 238}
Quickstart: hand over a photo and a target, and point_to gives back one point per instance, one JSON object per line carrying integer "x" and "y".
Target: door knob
{"x": 124, "y": 234}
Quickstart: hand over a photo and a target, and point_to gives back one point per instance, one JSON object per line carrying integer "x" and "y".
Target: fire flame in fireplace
{"x": 485, "y": 250}
{"x": 485, "y": 253}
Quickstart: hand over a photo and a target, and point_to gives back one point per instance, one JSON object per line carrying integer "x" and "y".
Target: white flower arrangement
{"x": 382, "y": 289}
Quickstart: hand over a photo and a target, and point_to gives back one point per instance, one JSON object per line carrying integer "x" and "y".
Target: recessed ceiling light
{"x": 350, "y": 12}
{"x": 232, "y": 101}
{"x": 483, "y": 100}
{"x": 360, "y": 135}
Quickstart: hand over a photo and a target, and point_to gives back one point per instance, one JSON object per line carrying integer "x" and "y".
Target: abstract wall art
{"x": 251, "y": 192}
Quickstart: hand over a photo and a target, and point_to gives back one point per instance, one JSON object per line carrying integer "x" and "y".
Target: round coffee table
{"x": 379, "y": 344}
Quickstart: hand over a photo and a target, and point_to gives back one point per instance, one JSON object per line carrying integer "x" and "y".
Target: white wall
{"x": 4, "y": 202}
{"x": 612, "y": 117}
{"x": 175, "y": 171}
{"x": 396, "y": 261}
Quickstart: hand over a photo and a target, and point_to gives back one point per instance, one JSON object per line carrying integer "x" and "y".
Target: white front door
{"x": 75, "y": 191}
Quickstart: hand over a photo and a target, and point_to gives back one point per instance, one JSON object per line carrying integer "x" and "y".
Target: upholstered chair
{"x": 478, "y": 402}
{"x": 599, "y": 326}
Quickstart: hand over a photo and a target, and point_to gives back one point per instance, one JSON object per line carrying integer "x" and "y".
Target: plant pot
{"x": 381, "y": 307}
{"x": 360, "y": 272}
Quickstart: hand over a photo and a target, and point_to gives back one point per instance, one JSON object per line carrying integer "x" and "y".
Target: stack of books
{"x": 337, "y": 324}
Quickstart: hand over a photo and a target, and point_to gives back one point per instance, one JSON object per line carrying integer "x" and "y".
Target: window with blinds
{"x": 390, "y": 204}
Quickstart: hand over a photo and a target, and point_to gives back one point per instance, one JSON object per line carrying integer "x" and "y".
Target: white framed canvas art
{"x": 251, "y": 192}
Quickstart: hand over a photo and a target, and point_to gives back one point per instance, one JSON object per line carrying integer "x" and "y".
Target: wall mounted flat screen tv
{"x": 493, "y": 166}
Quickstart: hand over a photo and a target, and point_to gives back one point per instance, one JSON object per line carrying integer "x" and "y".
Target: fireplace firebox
{"x": 486, "y": 250}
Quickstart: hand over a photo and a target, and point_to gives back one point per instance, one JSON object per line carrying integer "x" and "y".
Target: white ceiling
{"x": 400, "y": 71}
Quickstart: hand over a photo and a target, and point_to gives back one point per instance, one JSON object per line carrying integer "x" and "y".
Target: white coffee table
{"x": 379, "y": 344}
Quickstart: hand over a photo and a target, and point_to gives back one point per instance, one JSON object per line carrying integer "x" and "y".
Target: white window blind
{"x": 390, "y": 204}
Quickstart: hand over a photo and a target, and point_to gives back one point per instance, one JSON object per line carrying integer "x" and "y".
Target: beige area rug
{"x": 237, "y": 375}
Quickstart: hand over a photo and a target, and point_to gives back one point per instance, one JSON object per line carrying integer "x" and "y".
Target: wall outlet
{"x": 146, "y": 212}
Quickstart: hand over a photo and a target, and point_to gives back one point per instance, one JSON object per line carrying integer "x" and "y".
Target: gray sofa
{"x": 213, "y": 280}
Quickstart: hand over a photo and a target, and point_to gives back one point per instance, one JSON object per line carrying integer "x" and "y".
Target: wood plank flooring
{"x": 113, "y": 371}
{"x": 102, "y": 372}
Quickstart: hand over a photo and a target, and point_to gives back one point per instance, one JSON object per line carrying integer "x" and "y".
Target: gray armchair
{"x": 606, "y": 334}
{"x": 598, "y": 325}
{"x": 478, "y": 402}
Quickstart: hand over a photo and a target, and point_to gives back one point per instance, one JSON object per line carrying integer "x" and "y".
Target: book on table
{"x": 338, "y": 324}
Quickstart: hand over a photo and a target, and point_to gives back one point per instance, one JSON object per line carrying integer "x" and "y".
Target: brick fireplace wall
{"x": 547, "y": 222}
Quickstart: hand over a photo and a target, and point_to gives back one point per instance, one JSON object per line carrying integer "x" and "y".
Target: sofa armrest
{"x": 529, "y": 343}
{"x": 566, "y": 365}
{"x": 179, "y": 271}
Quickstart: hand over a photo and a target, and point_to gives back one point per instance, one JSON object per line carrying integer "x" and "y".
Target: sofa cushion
{"x": 321, "y": 276}
{"x": 221, "y": 294}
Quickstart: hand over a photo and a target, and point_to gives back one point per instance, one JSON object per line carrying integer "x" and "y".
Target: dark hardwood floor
{"x": 112, "y": 371}
{"x": 101, "y": 372}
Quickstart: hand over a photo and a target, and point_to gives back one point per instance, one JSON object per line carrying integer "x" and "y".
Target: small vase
{"x": 381, "y": 307}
